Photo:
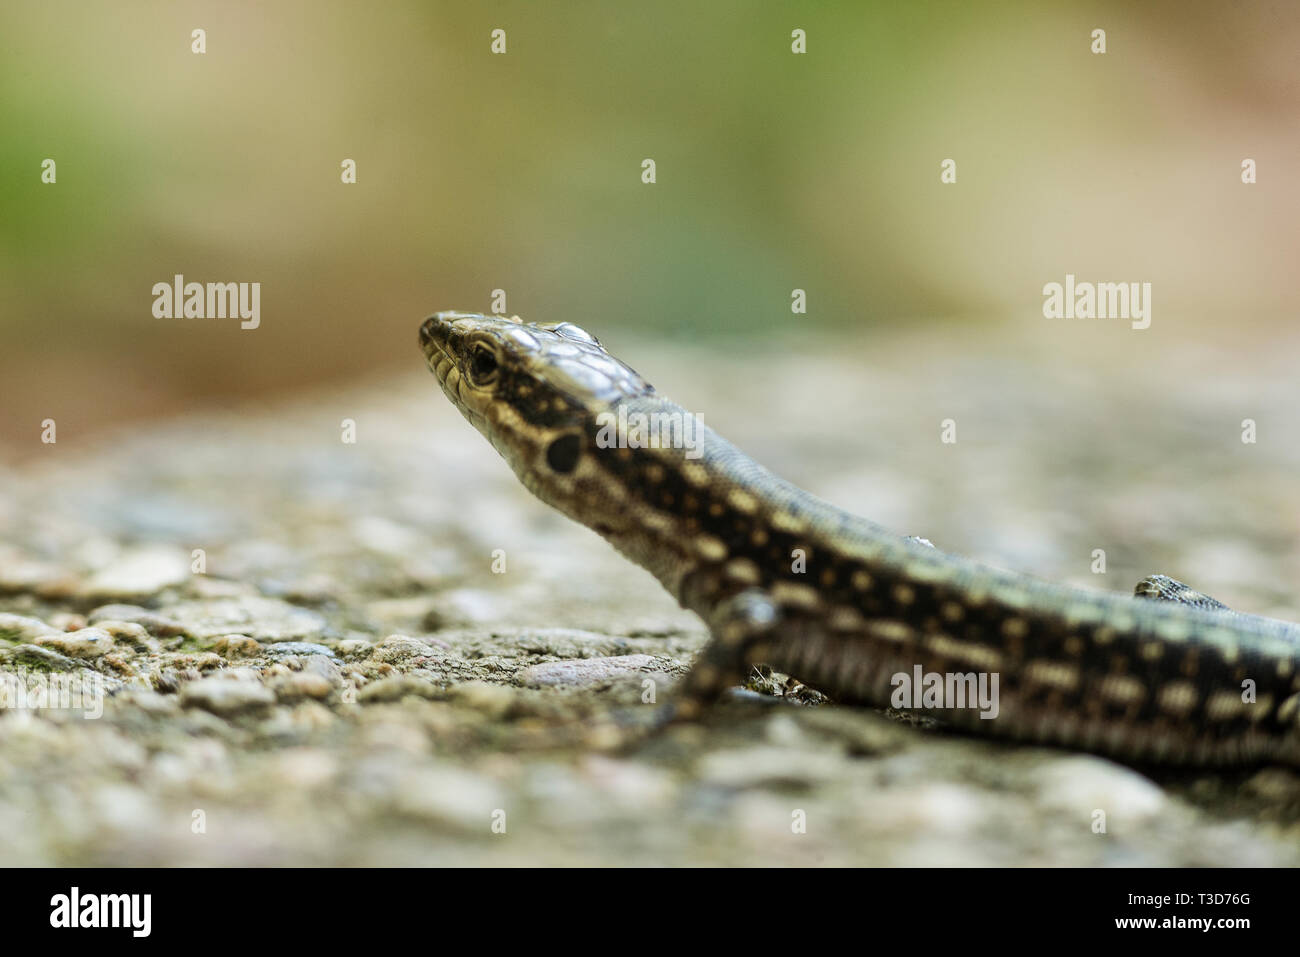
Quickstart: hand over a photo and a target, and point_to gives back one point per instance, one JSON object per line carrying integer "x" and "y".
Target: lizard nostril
{"x": 428, "y": 331}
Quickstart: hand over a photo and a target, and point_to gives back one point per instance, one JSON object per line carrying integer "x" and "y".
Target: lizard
{"x": 1166, "y": 675}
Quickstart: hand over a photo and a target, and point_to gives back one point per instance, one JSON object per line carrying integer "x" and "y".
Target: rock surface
{"x": 348, "y": 682}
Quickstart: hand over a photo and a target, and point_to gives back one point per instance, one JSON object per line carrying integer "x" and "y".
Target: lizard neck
{"x": 707, "y": 521}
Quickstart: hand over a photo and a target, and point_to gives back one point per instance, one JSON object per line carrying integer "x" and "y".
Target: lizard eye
{"x": 482, "y": 366}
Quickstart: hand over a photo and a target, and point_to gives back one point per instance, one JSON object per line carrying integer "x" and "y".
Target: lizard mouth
{"x": 441, "y": 365}
{"x": 447, "y": 373}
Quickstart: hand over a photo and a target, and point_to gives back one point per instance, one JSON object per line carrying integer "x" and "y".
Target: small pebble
{"x": 283, "y": 648}
{"x": 22, "y": 628}
{"x": 449, "y": 796}
{"x": 237, "y": 646}
{"x": 155, "y": 623}
{"x": 400, "y": 647}
{"x": 495, "y": 701}
{"x": 1083, "y": 784}
{"x": 265, "y": 619}
{"x": 396, "y": 688}
{"x": 87, "y": 643}
{"x": 302, "y": 685}
{"x": 760, "y": 766}
{"x": 130, "y": 634}
{"x": 226, "y": 697}
{"x": 140, "y": 571}
{"x": 34, "y": 656}
{"x": 585, "y": 671}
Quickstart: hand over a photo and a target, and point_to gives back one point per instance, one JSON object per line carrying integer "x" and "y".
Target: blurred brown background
{"x": 522, "y": 171}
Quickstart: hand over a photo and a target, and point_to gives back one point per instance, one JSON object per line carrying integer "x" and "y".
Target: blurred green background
{"x": 522, "y": 171}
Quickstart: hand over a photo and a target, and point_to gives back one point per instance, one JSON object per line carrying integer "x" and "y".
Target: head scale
{"x": 534, "y": 390}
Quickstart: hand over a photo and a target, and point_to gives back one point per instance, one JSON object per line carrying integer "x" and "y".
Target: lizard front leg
{"x": 742, "y": 629}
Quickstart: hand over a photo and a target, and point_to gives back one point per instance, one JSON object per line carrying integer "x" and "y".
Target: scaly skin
{"x": 1159, "y": 677}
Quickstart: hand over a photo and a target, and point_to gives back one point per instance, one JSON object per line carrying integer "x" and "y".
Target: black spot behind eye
{"x": 562, "y": 454}
{"x": 482, "y": 365}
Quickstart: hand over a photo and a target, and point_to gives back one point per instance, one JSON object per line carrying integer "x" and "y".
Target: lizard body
{"x": 1169, "y": 675}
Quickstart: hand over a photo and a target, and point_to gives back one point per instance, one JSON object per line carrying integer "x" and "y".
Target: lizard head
{"x": 534, "y": 390}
